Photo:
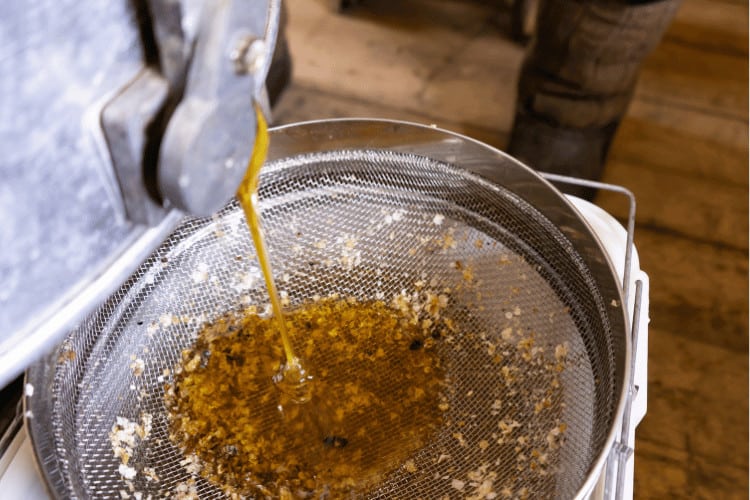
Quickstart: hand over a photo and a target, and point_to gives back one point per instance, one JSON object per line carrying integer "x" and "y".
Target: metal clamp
{"x": 211, "y": 134}
{"x": 180, "y": 133}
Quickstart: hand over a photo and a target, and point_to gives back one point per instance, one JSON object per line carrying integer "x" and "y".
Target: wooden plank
{"x": 478, "y": 85}
{"x": 656, "y": 478}
{"x": 710, "y": 210}
{"x": 305, "y": 17}
{"x": 671, "y": 480}
{"x": 697, "y": 401}
{"x": 711, "y": 25}
{"x": 690, "y": 124}
{"x": 429, "y": 58}
{"x": 664, "y": 149}
{"x": 374, "y": 51}
{"x": 712, "y": 480}
{"x": 698, "y": 291}
{"x": 421, "y": 17}
{"x": 689, "y": 76}
{"x": 301, "y": 103}
{"x": 663, "y": 472}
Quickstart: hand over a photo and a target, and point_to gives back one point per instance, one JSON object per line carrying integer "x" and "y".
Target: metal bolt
{"x": 248, "y": 54}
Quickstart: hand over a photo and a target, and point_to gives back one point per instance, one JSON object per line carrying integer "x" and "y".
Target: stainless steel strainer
{"x": 368, "y": 209}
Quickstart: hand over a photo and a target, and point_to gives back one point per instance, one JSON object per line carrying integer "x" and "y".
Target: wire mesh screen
{"x": 531, "y": 382}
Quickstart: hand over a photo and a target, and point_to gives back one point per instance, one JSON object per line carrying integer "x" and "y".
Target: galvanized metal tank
{"x": 115, "y": 118}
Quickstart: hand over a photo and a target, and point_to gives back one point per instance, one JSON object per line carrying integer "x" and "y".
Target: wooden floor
{"x": 683, "y": 151}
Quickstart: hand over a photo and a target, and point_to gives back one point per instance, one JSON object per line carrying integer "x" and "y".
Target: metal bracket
{"x": 174, "y": 41}
{"x": 211, "y": 135}
{"x": 125, "y": 121}
{"x": 622, "y": 447}
{"x": 182, "y": 135}
{"x": 621, "y": 451}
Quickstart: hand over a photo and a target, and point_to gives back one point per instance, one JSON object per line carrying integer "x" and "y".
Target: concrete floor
{"x": 683, "y": 151}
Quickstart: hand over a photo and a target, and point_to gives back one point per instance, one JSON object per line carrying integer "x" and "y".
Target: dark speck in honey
{"x": 335, "y": 441}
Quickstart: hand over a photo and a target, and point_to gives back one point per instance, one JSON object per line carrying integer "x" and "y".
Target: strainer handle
{"x": 575, "y": 181}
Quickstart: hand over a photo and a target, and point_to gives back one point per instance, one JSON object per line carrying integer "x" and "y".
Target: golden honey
{"x": 292, "y": 377}
{"x": 376, "y": 399}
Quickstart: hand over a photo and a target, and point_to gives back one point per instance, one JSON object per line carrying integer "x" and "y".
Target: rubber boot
{"x": 577, "y": 80}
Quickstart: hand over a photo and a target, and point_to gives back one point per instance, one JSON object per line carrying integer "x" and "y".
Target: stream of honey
{"x": 292, "y": 378}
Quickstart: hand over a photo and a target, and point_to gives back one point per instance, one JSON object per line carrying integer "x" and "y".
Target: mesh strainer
{"x": 416, "y": 202}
